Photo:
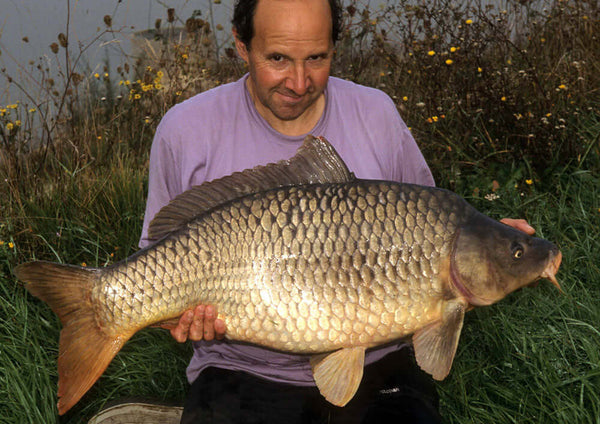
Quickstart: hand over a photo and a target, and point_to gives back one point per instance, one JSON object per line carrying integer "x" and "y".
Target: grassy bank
{"x": 505, "y": 106}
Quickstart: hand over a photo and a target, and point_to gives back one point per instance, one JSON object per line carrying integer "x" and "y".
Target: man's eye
{"x": 277, "y": 58}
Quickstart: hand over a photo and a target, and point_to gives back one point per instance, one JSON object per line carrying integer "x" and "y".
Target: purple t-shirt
{"x": 219, "y": 132}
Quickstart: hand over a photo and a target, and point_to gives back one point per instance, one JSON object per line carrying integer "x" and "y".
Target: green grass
{"x": 524, "y": 129}
{"x": 534, "y": 357}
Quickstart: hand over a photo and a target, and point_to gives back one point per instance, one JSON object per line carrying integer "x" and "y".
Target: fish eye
{"x": 517, "y": 250}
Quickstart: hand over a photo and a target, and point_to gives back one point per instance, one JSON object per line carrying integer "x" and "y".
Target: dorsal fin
{"x": 316, "y": 161}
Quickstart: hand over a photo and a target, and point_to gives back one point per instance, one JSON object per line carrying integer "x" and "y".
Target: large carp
{"x": 301, "y": 257}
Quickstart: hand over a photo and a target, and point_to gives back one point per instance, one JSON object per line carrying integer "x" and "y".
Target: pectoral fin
{"x": 338, "y": 374}
{"x": 168, "y": 324}
{"x": 435, "y": 345}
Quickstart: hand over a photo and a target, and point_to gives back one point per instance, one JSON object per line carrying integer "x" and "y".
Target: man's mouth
{"x": 291, "y": 98}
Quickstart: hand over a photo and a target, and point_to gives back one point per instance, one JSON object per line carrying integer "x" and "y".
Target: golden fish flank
{"x": 302, "y": 257}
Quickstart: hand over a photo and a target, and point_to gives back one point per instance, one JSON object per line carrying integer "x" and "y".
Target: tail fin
{"x": 85, "y": 350}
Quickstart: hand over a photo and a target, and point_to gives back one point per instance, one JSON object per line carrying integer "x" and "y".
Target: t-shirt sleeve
{"x": 163, "y": 183}
{"x": 408, "y": 164}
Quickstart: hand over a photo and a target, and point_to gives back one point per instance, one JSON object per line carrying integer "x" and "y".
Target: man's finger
{"x": 219, "y": 329}
{"x": 196, "y": 331}
{"x": 180, "y": 333}
{"x": 209, "y": 323}
{"x": 519, "y": 224}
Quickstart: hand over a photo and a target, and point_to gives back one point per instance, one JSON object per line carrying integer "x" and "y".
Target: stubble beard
{"x": 286, "y": 111}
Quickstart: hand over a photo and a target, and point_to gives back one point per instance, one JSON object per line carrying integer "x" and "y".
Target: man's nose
{"x": 297, "y": 80}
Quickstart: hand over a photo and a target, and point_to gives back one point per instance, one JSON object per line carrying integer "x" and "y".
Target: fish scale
{"x": 256, "y": 256}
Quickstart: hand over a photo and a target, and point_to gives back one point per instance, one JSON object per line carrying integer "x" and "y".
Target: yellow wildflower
{"x": 449, "y": 61}
{"x": 158, "y": 86}
{"x": 405, "y": 98}
{"x": 431, "y": 52}
{"x": 83, "y": 264}
{"x": 479, "y": 70}
{"x": 13, "y": 106}
{"x": 32, "y": 110}
{"x": 528, "y": 182}
{"x": 137, "y": 96}
{"x": 562, "y": 87}
{"x": 2, "y": 112}
{"x": 503, "y": 98}
{"x": 96, "y": 75}
{"x": 17, "y": 123}
{"x": 184, "y": 56}
{"x": 11, "y": 245}
{"x": 453, "y": 49}
{"x": 106, "y": 75}
{"x": 469, "y": 21}
{"x": 9, "y": 126}
{"x": 1, "y": 242}
{"x": 159, "y": 74}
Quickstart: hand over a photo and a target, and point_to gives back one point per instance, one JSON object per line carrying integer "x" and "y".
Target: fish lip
{"x": 552, "y": 268}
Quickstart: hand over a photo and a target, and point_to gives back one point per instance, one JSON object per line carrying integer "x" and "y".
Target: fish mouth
{"x": 551, "y": 269}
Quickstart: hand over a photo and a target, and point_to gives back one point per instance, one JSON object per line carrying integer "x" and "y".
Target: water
{"x": 29, "y": 27}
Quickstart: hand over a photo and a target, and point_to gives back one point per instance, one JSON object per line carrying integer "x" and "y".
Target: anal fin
{"x": 168, "y": 324}
{"x": 338, "y": 374}
{"x": 435, "y": 345}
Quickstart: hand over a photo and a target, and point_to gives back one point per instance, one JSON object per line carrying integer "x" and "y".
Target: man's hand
{"x": 519, "y": 224}
{"x": 200, "y": 323}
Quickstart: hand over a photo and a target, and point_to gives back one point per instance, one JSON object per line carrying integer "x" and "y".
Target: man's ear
{"x": 240, "y": 47}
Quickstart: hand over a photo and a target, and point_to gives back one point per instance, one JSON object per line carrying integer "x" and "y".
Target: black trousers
{"x": 393, "y": 390}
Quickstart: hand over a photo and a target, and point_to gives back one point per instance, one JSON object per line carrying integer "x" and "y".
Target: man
{"x": 262, "y": 118}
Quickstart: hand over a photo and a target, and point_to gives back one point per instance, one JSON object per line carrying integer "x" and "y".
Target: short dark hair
{"x": 243, "y": 19}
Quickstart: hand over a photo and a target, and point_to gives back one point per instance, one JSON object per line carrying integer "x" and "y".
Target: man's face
{"x": 289, "y": 57}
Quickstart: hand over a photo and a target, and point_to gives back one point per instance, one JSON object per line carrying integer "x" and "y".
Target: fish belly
{"x": 301, "y": 269}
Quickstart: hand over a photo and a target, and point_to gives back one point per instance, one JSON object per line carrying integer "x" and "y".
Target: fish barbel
{"x": 301, "y": 257}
